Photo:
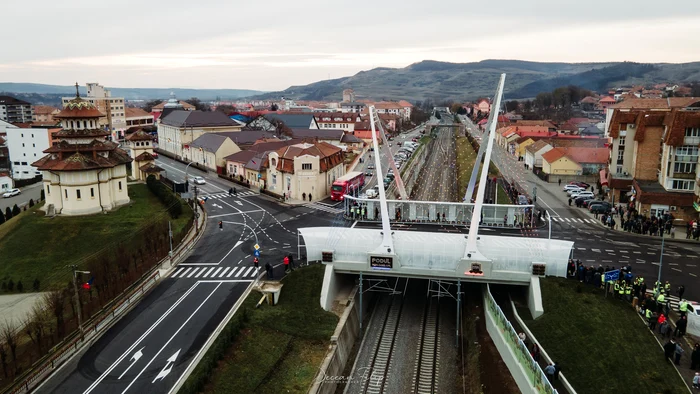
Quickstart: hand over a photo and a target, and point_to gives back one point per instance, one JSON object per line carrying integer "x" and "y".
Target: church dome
{"x": 79, "y": 108}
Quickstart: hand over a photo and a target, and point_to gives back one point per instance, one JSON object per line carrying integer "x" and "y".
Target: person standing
{"x": 681, "y": 325}
{"x": 303, "y": 196}
{"x": 695, "y": 357}
{"x": 256, "y": 263}
{"x": 669, "y": 349}
{"x": 678, "y": 352}
{"x": 681, "y": 291}
{"x": 291, "y": 261}
{"x": 268, "y": 269}
{"x": 286, "y": 263}
{"x": 549, "y": 370}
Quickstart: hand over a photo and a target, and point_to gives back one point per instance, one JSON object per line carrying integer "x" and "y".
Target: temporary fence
{"x": 534, "y": 373}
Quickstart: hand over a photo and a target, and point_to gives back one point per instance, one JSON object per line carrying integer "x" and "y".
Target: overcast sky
{"x": 271, "y": 44}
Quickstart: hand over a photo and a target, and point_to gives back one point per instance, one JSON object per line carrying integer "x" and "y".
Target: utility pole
{"x": 77, "y": 296}
{"x": 661, "y": 259}
{"x": 170, "y": 236}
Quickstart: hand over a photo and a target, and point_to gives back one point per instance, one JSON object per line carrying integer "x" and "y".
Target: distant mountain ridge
{"x": 436, "y": 80}
{"x": 131, "y": 93}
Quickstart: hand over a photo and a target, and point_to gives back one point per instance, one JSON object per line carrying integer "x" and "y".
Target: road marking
{"x": 138, "y": 341}
{"x": 607, "y": 261}
{"x": 225, "y": 269}
{"x": 609, "y": 250}
{"x": 672, "y": 263}
{"x": 236, "y": 213}
{"x": 676, "y": 269}
{"x": 193, "y": 272}
{"x": 636, "y": 252}
{"x": 217, "y": 271}
{"x": 590, "y": 260}
{"x": 596, "y": 250}
{"x": 691, "y": 265}
{"x": 581, "y": 248}
{"x": 624, "y": 252}
{"x": 248, "y": 272}
{"x": 226, "y": 281}
{"x": 692, "y": 274}
{"x": 232, "y": 271}
{"x": 172, "y": 337}
{"x": 200, "y": 272}
{"x": 240, "y": 272}
{"x": 183, "y": 271}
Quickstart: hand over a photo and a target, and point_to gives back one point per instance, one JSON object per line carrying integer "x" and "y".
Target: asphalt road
{"x": 148, "y": 350}
{"x": 29, "y": 192}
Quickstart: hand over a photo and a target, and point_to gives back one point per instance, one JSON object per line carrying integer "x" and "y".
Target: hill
{"x": 130, "y": 93}
{"x": 467, "y": 81}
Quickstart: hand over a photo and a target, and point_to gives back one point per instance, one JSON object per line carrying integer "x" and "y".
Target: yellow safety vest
{"x": 628, "y": 290}
{"x": 648, "y": 313}
{"x": 683, "y": 307}
{"x": 661, "y": 298}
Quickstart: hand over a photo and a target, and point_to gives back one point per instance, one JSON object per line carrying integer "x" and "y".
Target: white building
{"x": 82, "y": 173}
{"x": 26, "y": 145}
{"x": 112, "y": 107}
{"x": 6, "y": 183}
{"x": 179, "y": 128}
{"x": 15, "y": 111}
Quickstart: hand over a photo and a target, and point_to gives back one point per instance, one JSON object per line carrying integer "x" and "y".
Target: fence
{"x": 536, "y": 377}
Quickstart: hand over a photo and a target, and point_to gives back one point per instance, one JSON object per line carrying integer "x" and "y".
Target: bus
{"x": 346, "y": 184}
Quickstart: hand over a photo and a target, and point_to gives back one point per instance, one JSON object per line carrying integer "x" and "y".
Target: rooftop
{"x": 182, "y": 118}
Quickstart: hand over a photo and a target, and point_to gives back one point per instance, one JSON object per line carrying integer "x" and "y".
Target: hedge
{"x": 165, "y": 195}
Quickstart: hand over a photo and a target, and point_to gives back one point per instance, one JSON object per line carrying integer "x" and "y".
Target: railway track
{"x": 425, "y": 376}
{"x": 375, "y": 376}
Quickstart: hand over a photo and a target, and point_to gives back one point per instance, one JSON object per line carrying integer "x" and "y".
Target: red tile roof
{"x": 79, "y": 108}
{"x": 405, "y": 103}
{"x": 579, "y": 155}
{"x": 135, "y": 113}
{"x": 329, "y": 155}
{"x": 655, "y": 103}
{"x": 139, "y": 135}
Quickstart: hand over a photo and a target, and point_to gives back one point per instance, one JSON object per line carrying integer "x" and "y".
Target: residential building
{"x": 138, "y": 117}
{"x": 44, "y": 113}
{"x": 83, "y": 174}
{"x": 4, "y": 153}
{"x": 574, "y": 161}
{"x": 534, "y": 152}
{"x": 332, "y": 137}
{"x": 305, "y": 169}
{"x": 112, "y": 107}
{"x": 653, "y": 166}
{"x": 6, "y": 183}
{"x": 210, "y": 150}
{"x": 139, "y": 145}
{"x": 292, "y": 120}
{"x": 352, "y": 106}
{"x": 179, "y": 128}
{"x": 348, "y": 96}
{"x": 184, "y": 105}
{"x": 506, "y": 137}
{"x": 407, "y": 109}
{"x": 251, "y": 164}
{"x": 25, "y": 145}
{"x": 337, "y": 120}
{"x": 389, "y": 107}
{"x": 247, "y": 138}
{"x": 483, "y": 105}
{"x": 13, "y": 110}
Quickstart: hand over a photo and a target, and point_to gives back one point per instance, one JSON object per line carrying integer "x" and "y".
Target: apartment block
{"x": 13, "y": 110}
{"x": 112, "y": 107}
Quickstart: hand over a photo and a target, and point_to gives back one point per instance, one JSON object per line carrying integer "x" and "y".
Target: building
{"x": 13, "y": 110}
{"x": 44, "y": 113}
{"x": 112, "y": 107}
{"x": 82, "y": 173}
{"x": 247, "y": 138}
{"x": 348, "y": 96}
{"x": 389, "y": 107}
{"x": 251, "y": 164}
{"x": 407, "y": 109}
{"x": 305, "y": 169}
{"x": 4, "y": 154}
{"x": 534, "y": 152}
{"x": 574, "y": 161}
{"x": 337, "y": 120}
{"x": 184, "y": 105}
{"x": 139, "y": 145}
{"x": 138, "y": 117}
{"x": 352, "y": 106}
{"x": 210, "y": 150}
{"x": 26, "y": 144}
{"x": 6, "y": 182}
{"x": 179, "y": 128}
{"x": 292, "y": 120}
{"x": 483, "y": 105}
{"x": 332, "y": 137}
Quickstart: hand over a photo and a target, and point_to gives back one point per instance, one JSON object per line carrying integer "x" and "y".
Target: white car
{"x": 574, "y": 191}
{"x": 582, "y": 194}
{"x": 198, "y": 180}
{"x": 572, "y": 187}
{"x": 11, "y": 193}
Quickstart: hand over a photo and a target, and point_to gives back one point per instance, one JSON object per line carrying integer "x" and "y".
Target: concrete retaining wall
{"x": 342, "y": 342}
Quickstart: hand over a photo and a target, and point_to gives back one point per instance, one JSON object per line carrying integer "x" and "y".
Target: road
{"x": 32, "y": 192}
{"x": 148, "y": 350}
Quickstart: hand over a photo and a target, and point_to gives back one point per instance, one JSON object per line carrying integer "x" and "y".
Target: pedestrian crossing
{"x": 674, "y": 301}
{"x": 246, "y": 272}
{"x": 226, "y": 195}
{"x": 325, "y": 208}
{"x": 572, "y": 220}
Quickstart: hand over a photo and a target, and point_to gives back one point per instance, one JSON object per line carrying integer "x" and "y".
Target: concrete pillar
{"x": 534, "y": 297}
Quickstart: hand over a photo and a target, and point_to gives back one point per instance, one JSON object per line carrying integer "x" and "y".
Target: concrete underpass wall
{"x": 526, "y": 372}
{"x": 347, "y": 332}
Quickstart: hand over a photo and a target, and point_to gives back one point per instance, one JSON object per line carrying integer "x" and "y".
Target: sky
{"x": 271, "y": 45}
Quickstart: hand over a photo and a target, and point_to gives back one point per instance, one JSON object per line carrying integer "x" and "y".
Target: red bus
{"x": 346, "y": 184}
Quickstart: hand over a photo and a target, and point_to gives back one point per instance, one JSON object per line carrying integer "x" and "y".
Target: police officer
{"x": 617, "y": 287}
{"x": 628, "y": 292}
{"x": 667, "y": 288}
{"x": 683, "y": 307}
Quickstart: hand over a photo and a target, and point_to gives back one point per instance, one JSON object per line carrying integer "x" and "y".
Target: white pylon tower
{"x": 375, "y": 122}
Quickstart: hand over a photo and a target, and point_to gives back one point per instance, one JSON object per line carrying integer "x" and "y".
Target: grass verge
{"x": 502, "y": 197}
{"x": 280, "y": 348}
{"x": 36, "y": 247}
{"x": 466, "y": 156}
{"x": 591, "y": 336}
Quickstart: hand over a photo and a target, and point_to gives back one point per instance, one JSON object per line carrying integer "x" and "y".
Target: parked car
{"x": 581, "y": 194}
{"x": 583, "y": 199}
{"x": 571, "y": 187}
{"x": 600, "y": 207}
{"x": 155, "y": 155}
{"x": 522, "y": 200}
{"x": 579, "y": 184}
{"x": 11, "y": 193}
{"x": 198, "y": 180}
{"x": 574, "y": 191}
{"x": 414, "y": 140}
{"x": 586, "y": 203}
{"x": 372, "y": 193}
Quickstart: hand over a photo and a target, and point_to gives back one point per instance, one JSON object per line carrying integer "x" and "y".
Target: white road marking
{"x": 248, "y": 272}
{"x": 232, "y": 271}
{"x": 193, "y": 272}
{"x": 200, "y": 272}
{"x": 217, "y": 271}
{"x": 676, "y": 269}
{"x": 225, "y": 269}
{"x": 692, "y": 274}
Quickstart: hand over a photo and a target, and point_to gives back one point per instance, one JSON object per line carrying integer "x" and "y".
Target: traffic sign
{"x": 256, "y": 253}
{"x": 612, "y": 275}
{"x": 256, "y": 247}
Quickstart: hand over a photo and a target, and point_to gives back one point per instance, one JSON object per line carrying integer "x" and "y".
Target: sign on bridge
{"x": 381, "y": 262}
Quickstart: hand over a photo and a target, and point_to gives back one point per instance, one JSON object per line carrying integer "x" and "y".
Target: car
{"x": 599, "y": 207}
{"x": 414, "y": 140}
{"x": 390, "y": 144}
{"x": 583, "y": 199}
{"x": 398, "y": 143}
{"x": 586, "y": 203}
{"x": 11, "y": 193}
{"x": 571, "y": 187}
{"x": 578, "y": 194}
{"x": 369, "y": 173}
{"x": 579, "y": 184}
{"x": 574, "y": 191}
{"x": 370, "y": 167}
{"x": 155, "y": 155}
{"x": 372, "y": 193}
{"x": 198, "y": 180}
{"x": 522, "y": 200}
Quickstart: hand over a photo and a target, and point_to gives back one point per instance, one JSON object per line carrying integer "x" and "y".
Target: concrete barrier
{"x": 342, "y": 342}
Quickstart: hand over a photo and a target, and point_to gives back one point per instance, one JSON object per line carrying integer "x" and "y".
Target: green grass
{"x": 601, "y": 344}
{"x": 502, "y": 197}
{"x": 465, "y": 162}
{"x": 282, "y": 346}
{"x": 34, "y": 246}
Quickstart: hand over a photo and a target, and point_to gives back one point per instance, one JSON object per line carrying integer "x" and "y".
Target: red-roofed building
{"x": 574, "y": 161}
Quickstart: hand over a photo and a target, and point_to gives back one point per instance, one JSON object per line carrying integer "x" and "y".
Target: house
{"x": 352, "y": 106}
{"x": 534, "y": 152}
{"x": 521, "y": 144}
{"x": 293, "y": 120}
{"x": 246, "y": 138}
{"x": 210, "y": 150}
{"x": 180, "y": 127}
{"x": 589, "y": 103}
{"x": 483, "y": 105}
{"x": 82, "y": 173}
{"x": 506, "y": 137}
{"x": 184, "y": 105}
{"x": 390, "y": 121}
{"x": 337, "y": 120}
{"x": 545, "y": 123}
{"x": 138, "y": 117}
{"x": 4, "y": 154}
{"x": 574, "y": 161}
{"x": 45, "y": 113}
{"x": 251, "y": 164}
{"x": 407, "y": 109}
{"x": 6, "y": 183}
{"x": 332, "y": 137}
{"x": 390, "y": 107}
{"x": 305, "y": 170}
{"x": 139, "y": 145}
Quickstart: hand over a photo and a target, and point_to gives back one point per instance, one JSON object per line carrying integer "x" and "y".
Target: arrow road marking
{"x": 168, "y": 366}
{"x": 135, "y": 358}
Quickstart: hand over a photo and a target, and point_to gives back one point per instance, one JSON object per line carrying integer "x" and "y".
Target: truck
{"x": 346, "y": 184}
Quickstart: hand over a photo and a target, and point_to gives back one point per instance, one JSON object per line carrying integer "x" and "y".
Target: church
{"x": 83, "y": 173}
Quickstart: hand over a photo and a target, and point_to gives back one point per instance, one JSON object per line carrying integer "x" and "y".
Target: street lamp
{"x": 661, "y": 260}
{"x": 77, "y": 296}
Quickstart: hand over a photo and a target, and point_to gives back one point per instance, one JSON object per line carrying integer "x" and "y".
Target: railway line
{"x": 425, "y": 377}
{"x": 439, "y": 174}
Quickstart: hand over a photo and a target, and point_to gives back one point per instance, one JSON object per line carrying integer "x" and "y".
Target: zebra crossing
{"x": 246, "y": 272}
{"x": 325, "y": 208}
{"x": 573, "y": 220}
{"x": 674, "y": 301}
{"x": 226, "y": 195}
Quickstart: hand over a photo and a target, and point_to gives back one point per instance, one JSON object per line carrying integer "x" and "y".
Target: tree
{"x": 274, "y": 107}
{"x": 20, "y": 286}
{"x": 226, "y": 108}
{"x": 3, "y": 357}
{"x": 2, "y": 217}
{"x": 198, "y": 104}
{"x": 8, "y": 213}
{"x": 36, "y": 285}
{"x": 15, "y": 210}
{"x": 31, "y": 203}
{"x": 42, "y": 197}
{"x": 150, "y": 104}
{"x": 695, "y": 89}
{"x": 55, "y": 301}
{"x": 454, "y": 108}
{"x": 10, "y": 285}
{"x": 8, "y": 332}
{"x": 512, "y": 105}
{"x": 35, "y": 325}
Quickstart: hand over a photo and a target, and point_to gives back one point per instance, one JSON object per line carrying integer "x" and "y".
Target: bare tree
{"x": 3, "y": 357}
{"x": 35, "y": 325}
{"x": 55, "y": 302}
{"x": 9, "y": 334}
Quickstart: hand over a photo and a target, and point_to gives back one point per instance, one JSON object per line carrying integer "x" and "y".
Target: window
{"x": 120, "y": 185}
{"x": 34, "y": 146}
{"x": 683, "y": 185}
{"x": 273, "y": 162}
{"x": 22, "y": 144}
{"x": 618, "y": 170}
{"x": 15, "y": 163}
{"x": 692, "y": 132}
{"x": 274, "y": 179}
{"x": 622, "y": 141}
{"x": 77, "y": 194}
{"x": 24, "y": 163}
{"x": 687, "y": 153}
{"x": 48, "y": 189}
{"x": 32, "y": 135}
{"x": 306, "y": 166}
{"x": 684, "y": 167}
{"x": 66, "y": 190}
{"x": 620, "y": 156}
{"x": 92, "y": 192}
